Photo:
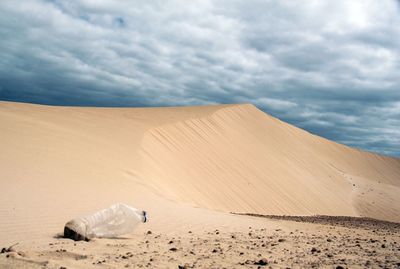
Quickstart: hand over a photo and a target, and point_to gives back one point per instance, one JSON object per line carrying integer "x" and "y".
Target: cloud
{"x": 275, "y": 104}
{"x": 332, "y": 68}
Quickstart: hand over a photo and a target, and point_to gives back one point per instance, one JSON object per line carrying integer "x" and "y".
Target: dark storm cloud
{"x": 331, "y": 67}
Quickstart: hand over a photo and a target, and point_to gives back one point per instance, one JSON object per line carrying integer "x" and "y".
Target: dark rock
{"x": 173, "y": 249}
{"x": 149, "y": 232}
{"x": 262, "y": 262}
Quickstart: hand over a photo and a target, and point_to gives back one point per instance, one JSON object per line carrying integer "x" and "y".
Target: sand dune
{"x": 240, "y": 159}
{"x": 183, "y": 164}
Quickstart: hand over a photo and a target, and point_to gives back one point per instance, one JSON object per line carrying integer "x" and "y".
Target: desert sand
{"x": 191, "y": 168}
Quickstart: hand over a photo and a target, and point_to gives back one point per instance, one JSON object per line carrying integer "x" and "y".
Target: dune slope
{"x": 60, "y": 162}
{"x": 240, "y": 159}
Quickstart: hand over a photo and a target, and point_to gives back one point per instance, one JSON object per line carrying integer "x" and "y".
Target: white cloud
{"x": 274, "y": 104}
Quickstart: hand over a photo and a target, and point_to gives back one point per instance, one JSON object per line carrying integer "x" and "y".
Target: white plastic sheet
{"x": 117, "y": 220}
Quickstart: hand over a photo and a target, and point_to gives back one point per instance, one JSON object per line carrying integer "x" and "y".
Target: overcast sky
{"x": 331, "y": 67}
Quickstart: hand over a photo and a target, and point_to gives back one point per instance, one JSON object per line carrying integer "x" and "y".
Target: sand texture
{"x": 189, "y": 167}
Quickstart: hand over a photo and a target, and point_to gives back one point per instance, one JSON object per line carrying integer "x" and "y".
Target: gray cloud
{"x": 332, "y": 68}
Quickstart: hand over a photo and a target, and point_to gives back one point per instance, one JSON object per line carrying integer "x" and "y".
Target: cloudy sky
{"x": 331, "y": 67}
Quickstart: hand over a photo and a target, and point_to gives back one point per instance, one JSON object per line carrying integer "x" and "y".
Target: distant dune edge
{"x": 60, "y": 162}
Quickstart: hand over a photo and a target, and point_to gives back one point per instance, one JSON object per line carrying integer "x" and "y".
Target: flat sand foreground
{"x": 354, "y": 243}
{"x": 189, "y": 167}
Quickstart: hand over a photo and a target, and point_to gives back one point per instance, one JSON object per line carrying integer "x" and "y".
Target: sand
{"x": 189, "y": 167}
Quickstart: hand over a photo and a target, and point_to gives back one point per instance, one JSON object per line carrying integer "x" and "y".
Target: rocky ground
{"x": 311, "y": 242}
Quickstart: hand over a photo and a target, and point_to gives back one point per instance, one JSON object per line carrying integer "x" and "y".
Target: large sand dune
{"x": 185, "y": 165}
